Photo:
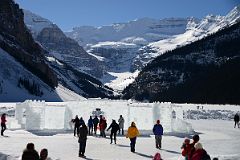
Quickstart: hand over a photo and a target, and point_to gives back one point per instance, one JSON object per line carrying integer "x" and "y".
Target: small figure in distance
{"x": 158, "y": 132}
{"x": 90, "y": 126}
{"x": 114, "y": 128}
{"x": 83, "y": 132}
{"x": 3, "y": 123}
{"x": 30, "y": 153}
{"x": 81, "y": 121}
{"x": 103, "y": 126}
{"x": 76, "y": 125}
{"x": 95, "y": 124}
{"x": 236, "y": 120}
{"x": 121, "y": 124}
{"x": 132, "y": 134}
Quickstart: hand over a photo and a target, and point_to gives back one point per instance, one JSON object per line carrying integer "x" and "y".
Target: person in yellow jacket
{"x": 132, "y": 134}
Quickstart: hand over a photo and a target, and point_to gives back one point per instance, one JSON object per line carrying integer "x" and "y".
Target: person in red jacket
{"x": 200, "y": 153}
{"x": 103, "y": 126}
{"x": 3, "y": 123}
{"x": 186, "y": 149}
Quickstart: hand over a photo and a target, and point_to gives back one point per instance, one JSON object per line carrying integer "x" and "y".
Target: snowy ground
{"x": 219, "y": 138}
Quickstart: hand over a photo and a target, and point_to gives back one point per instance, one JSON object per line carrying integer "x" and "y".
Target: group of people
{"x": 82, "y": 130}
{"x": 194, "y": 150}
{"x": 31, "y": 154}
{"x": 191, "y": 151}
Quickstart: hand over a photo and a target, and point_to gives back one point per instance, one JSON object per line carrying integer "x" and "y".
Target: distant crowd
{"x": 191, "y": 151}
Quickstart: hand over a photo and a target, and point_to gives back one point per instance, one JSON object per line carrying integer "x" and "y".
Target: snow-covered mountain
{"x": 51, "y": 37}
{"x": 194, "y": 31}
{"x": 204, "y": 71}
{"x": 140, "y": 31}
{"x": 30, "y": 72}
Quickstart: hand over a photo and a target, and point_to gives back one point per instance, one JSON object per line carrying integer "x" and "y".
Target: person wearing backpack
{"x": 200, "y": 153}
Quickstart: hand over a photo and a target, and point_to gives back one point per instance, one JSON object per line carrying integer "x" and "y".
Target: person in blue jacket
{"x": 158, "y": 132}
{"x": 90, "y": 126}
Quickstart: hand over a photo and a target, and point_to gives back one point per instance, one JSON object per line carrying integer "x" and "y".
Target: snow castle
{"x": 41, "y": 115}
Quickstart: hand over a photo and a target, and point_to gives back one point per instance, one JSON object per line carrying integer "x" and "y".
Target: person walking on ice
{"x": 236, "y": 120}
{"x": 76, "y": 125}
{"x": 3, "y": 123}
{"x": 95, "y": 124}
{"x": 114, "y": 128}
{"x": 121, "y": 124}
{"x": 158, "y": 132}
{"x": 83, "y": 132}
{"x": 90, "y": 126}
{"x": 132, "y": 134}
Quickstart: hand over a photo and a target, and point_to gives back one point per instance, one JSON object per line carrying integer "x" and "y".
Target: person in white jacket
{"x": 121, "y": 124}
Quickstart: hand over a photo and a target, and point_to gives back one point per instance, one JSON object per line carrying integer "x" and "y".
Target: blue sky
{"x": 70, "y": 13}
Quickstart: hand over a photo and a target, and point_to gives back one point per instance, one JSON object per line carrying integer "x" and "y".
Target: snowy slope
{"x": 36, "y": 23}
{"x": 195, "y": 31}
{"x": 10, "y": 73}
{"x": 138, "y": 31}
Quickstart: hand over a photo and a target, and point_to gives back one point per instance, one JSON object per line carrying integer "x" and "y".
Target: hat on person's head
{"x": 157, "y": 156}
{"x": 196, "y": 138}
{"x": 44, "y": 153}
{"x": 158, "y": 121}
{"x": 187, "y": 141}
{"x": 133, "y": 124}
{"x": 198, "y": 146}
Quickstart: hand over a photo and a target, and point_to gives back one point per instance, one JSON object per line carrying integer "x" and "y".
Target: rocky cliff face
{"x": 205, "y": 71}
{"x": 68, "y": 50}
{"x": 17, "y": 41}
{"x": 51, "y": 37}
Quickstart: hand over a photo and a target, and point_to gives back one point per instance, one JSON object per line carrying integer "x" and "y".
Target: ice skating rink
{"x": 218, "y": 137}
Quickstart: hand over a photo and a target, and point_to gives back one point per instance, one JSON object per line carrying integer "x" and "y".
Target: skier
{"x": 30, "y": 153}
{"x": 236, "y": 120}
{"x": 103, "y": 126}
{"x": 158, "y": 132}
{"x": 200, "y": 153}
{"x": 90, "y": 126}
{"x": 95, "y": 124}
{"x": 186, "y": 149}
{"x": 114, "y": 128}
{"x": 3, "y": 123}
{"x": 83, "y": 132}
{"x": 121, "y": 124}
{"x": 132, "y": 134}
{"x": 76, "y": 125}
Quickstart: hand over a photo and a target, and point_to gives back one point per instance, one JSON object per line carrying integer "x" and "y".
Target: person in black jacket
{"x": 83, "y": 132}
{"x": 76, "y": 125}
{"x": 30, "y": 153}
{"x": 95, "y": 124}
{"x": 114, "y": 128}
{"x": 236, "y": 120}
